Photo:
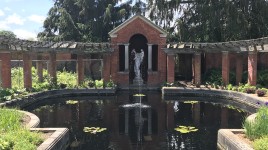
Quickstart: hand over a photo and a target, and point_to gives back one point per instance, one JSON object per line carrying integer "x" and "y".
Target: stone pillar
{"x": 106, "y": 67}
{"x": 252, "y": 67}
{"x": 39, "y": 66}
{"x": 225, "y": 67}
{"x": 239, "y": 68}
{"x": 80, "y": 69}
{"x": 126, "y": 57}
{"x": 52, "y": 66}
{"x": 170, "y": 68}
{"x": 150, "y": 53}
{"x": 27, "y": 70}
{"x": 6, "y": 69}
{"x": 197, "y": 69}
{"x": 126, "y": 120}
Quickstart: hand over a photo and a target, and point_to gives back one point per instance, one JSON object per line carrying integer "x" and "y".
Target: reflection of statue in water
{"x": 138, "y": 60}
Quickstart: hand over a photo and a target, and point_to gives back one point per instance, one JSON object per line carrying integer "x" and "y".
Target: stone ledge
{"x": 175, "y": 92}
{"x": 35, "y": 97}
{"x": 227, "y": 140}
{"x": 34, "y": 120}
{"x": 59, "y": 140}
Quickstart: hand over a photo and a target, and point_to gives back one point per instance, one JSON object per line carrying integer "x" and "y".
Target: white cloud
{"x": 7, "y": 9}
{"x": 4, "y": 25}
{"x": 24, "y": 34}
{"x": 1, "y": 13}
{"x": 14, "y": 19}
{"x": 7, "y": 1}
{"x": 37, "y": 18}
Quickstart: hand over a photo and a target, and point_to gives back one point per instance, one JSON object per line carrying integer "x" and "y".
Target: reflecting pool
{"x": 139, "y": 121}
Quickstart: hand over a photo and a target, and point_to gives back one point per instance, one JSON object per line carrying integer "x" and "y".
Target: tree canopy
{"x": 185, "y": 20}
{"x": 9, "y": 34}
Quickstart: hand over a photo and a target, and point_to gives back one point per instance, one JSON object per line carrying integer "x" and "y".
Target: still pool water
{"x": 144, "y": 122}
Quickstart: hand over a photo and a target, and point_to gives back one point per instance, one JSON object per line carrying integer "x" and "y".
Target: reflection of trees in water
{"x": 96, "y": 111}
{"x": 192, "y": 140}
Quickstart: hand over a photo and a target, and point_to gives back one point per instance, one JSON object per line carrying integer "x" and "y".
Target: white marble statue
{"x": 138, "y": 60}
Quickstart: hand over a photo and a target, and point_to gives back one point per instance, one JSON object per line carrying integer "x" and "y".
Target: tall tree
{"x": 81, "y": 20}
{"x": 8, "y": 33}
{"x": 222, "y": 20}
{"x": 185, "y": 20}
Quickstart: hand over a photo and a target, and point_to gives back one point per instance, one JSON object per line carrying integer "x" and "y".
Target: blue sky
{"x": 24, "y": 17}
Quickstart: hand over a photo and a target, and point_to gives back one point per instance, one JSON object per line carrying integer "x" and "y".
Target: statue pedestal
{"x": 138, "y": 81}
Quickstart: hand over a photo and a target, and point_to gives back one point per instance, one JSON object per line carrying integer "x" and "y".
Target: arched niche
{"x": 138, "y": 42}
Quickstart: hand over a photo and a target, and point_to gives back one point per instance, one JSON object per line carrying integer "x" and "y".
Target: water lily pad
{"x": 71, "y": 102}
{"x": 185, "y": 129}
{"x": 94, "y": 130}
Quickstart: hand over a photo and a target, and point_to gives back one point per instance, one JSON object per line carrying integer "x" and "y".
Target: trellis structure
{"x": 251, "y": 48}
{"x": 260, "y": 45}
{"x": 37, "y": 49}
{"x": 15, "y": 44}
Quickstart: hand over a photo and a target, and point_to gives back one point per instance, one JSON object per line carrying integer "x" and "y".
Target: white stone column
{"x": 126, "y": 57}
{"x": 150, "y": 53}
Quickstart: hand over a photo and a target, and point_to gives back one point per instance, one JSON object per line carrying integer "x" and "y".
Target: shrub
{"x": 258, "y": 127}
{"x": 214, "y": 76}
{"x": 262, "y": 77}
{"x": 99, "y": 83}
{"x": 261, "y": 144}
{"x": 110, "y": 83}
{"x": 9, "y": 94}
{"x": 229, "y": 87}
{"x": 261, "y": 92}
{"x": 67, "y": 78}
{"x": 250, "y": 90}
{"x": 91, "y": 83}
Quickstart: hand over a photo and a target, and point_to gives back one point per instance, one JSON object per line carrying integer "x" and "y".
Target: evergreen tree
{"x": 7, "y": 33}
{"x": 185, "y": 20}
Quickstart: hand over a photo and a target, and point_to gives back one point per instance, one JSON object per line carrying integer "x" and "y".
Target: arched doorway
{"x": 138, "y": 42}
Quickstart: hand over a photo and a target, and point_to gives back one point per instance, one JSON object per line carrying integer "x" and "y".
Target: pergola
{"x": 260, "y": 45}
{"x": 250, "y": 47}
{"x": 15, "y": 44}
{"x": 28, "y": 48}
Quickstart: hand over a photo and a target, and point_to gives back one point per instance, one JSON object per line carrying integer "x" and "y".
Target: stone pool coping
{"x": 227, "y": 138}
{"x": 58, "y": 140}
{"x": 35, "y": 97}
{"x": 173, "y": 93}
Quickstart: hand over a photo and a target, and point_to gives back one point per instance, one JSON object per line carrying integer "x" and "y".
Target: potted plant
{"x": 110, "y": 84}
{"x": 261, "y": 92}
{"x": 99, "y": 84}
{"x": 91, "y": 83}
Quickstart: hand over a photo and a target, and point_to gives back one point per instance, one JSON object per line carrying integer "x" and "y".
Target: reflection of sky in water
{"x": 135, "y": 105}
